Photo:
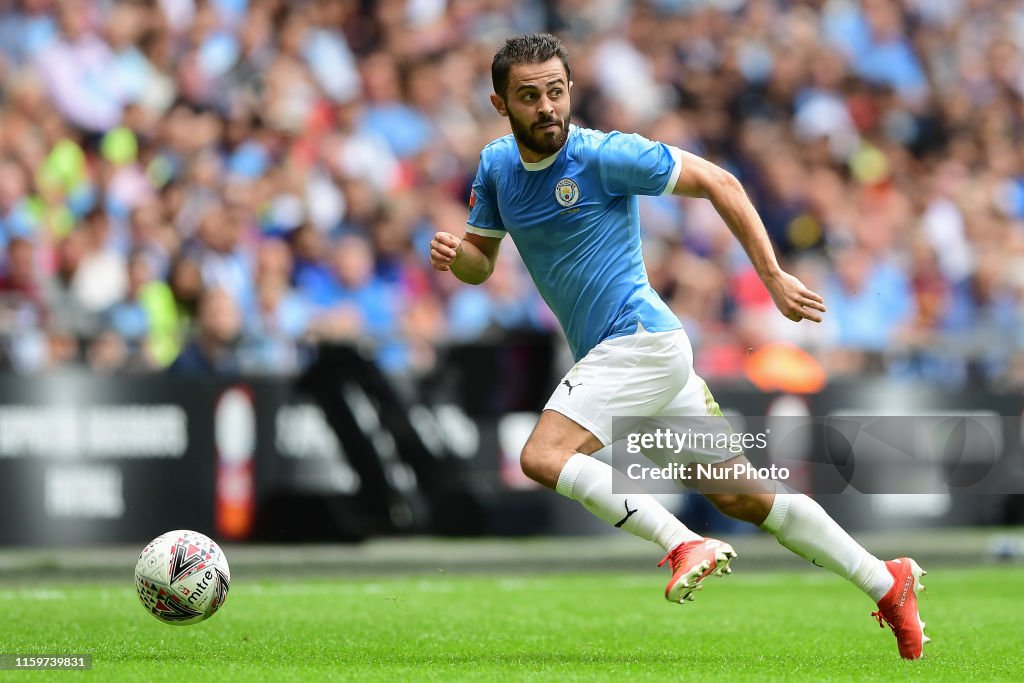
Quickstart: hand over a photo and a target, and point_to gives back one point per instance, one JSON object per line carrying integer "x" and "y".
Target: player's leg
{"x": 558, "y": 455}
{"x": 799, "y": 523}
{"x": 628, "y": 376}
{"x": 802, "y": 526}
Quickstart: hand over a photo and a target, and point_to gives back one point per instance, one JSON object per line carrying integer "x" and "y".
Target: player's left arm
{"x": 699, "y": 177}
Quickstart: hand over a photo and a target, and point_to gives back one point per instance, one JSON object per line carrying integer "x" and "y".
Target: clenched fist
{"x": 444, "y": 249}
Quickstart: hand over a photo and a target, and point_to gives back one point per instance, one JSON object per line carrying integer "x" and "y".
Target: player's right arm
{"x": 470, "y": 258}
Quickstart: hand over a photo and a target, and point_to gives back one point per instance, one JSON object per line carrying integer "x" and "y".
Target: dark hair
{"x": 532, "y": 48}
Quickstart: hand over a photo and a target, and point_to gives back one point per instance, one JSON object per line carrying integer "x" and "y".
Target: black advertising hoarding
{"x": 92, "y": 460}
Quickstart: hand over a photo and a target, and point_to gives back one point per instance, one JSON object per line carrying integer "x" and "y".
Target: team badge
{"x": 567, "y": 192}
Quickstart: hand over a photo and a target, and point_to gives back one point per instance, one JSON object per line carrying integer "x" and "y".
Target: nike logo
{"x": 629, "y": 513}
{"x": 814, "y": 561}
{"x": 571, "y": 386}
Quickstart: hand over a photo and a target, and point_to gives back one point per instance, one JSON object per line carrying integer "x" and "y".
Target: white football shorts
{"x": 643, "y": 375}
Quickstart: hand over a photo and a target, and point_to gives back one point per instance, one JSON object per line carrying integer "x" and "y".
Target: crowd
{"x": 218, "y": 185}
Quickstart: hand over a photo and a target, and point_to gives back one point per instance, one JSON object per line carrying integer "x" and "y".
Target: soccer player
{"x": 568, "y": 197}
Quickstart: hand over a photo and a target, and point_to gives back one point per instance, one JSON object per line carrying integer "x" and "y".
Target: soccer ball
{"x": 182, "y": 577}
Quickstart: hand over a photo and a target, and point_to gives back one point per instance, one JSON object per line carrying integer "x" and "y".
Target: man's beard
{"x": 546, "y": 141}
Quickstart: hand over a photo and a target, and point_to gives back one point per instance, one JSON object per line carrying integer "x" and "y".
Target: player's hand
{"x": 444, "y": 249}
{"x": 794, "y": 299}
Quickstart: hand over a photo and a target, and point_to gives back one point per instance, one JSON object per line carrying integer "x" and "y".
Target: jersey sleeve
{"x": 631, "y": 164}
{"x": 484, "y": 218}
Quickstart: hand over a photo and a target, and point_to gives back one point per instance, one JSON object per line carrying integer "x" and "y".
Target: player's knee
{"x": 537, "y": 463}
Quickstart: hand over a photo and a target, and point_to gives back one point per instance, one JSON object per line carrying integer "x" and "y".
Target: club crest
{"x": 567, "y": 192}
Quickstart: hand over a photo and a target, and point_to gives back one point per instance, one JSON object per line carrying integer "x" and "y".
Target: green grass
{"x": 753, "y": 626}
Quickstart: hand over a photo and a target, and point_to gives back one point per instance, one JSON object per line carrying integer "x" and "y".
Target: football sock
{"x": 591, "y": 482}
{"x": 801, "y": 525}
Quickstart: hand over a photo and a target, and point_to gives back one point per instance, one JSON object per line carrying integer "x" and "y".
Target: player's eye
{"x": 557, "y": 92}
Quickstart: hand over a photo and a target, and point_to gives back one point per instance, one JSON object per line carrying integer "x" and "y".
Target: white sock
{"x": 590, "y": 481}
{"x": 801, "y": 525}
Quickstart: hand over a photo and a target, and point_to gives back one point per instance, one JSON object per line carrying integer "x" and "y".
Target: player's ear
{"x": 498, "y": 104}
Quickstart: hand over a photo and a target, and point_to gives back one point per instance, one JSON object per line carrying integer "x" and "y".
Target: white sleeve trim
{"x": 677, "y": 156}
{"x": 484, "y": 231}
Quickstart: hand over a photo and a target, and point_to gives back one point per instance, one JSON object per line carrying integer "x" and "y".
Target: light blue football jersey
{"x": 574, "y": 217}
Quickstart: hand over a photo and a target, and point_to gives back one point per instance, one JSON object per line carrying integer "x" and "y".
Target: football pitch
{"x": 751, "y": 626}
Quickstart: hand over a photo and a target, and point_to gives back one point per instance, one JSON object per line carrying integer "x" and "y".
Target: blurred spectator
{"x": 22, "y": 309}
{"x": 214, "y": 347}
{"x": 100, "y": 278}
{"x": 387, "y": 115}
{"x": 279, "y": 319}
{"x": 218, "y": 251}
{"x": 19, "y": 283}
{"x": 870, "y": 300}
{"x": 353, "y": 302}
{"x": 64, "y": 308}
{"x": 26, "y": 30}
{"x": 984, "y": 317}
{"x": 146, "y": 320}
{"x": 80, "y": 72}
